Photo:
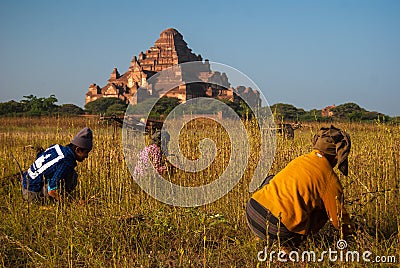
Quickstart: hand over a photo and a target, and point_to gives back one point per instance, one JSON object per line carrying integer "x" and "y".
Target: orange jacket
{"x": 304, "y": 193}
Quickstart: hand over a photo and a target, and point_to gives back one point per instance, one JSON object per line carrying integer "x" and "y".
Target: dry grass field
{"x": 119, "y": 225}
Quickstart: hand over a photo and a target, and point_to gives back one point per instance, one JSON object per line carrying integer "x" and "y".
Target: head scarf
{"x": 161, "y": 138}
{"x": 333, "y": 141}
{"x": 156, "y": 137}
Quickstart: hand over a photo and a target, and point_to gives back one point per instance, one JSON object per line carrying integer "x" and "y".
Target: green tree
{"x": 48, "y": 104}
{"x": 353, "y": 112}
{"x": 165, "y": 105}
{"x": 70, "y": 109}
{"x": 101, "y": 105}
{"x": 284, "y": 112}
{"x": 162, "y": 106}
{"x": 11, "y": 108}
{"x": 347, "y": 111}
{"x": 312, "y": 115}
{"x": 142, "y": 107}
{"x": 117, "y": 109}
{"x": 35, "y": 106}
{"x": 240, "y": 107}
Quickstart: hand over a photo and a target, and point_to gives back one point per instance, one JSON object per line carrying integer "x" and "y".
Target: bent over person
{"x": 303, "y": 196}
{"x": 153, "y": 154}
{"x": 53, "y": 171}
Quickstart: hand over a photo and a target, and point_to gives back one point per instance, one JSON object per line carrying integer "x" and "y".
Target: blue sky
{"x": 307, "y": 53}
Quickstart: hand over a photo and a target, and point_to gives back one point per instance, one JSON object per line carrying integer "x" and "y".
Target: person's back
{"x": 56, "y": 161}
{"x": 53, "y": 170}
{"x": 305, "y": 194}
{"x": 307, "y": 185}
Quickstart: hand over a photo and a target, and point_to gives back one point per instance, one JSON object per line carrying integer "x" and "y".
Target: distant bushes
{"x": 345, "y": 112}
{"x": 107, "y": 106}
{"x": 34, "y": 106}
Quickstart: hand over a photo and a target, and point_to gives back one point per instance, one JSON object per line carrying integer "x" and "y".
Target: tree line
{"x": 345, "y": 112}
{"x": 34, "y": 106}
{"x": 39, "y": 106}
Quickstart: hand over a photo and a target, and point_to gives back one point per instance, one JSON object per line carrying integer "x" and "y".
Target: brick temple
{"x": 169, "y": 50}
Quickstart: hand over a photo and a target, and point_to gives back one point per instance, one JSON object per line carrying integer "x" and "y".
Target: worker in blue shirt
{"x": 54, "y": 169}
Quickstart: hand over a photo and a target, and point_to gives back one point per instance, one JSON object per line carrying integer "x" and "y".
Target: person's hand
{"x": 54, "y": 194}
{"x": 348, "y": 229}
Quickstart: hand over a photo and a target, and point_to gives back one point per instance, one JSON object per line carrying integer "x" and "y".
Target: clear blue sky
{"x": 307, "y": 53}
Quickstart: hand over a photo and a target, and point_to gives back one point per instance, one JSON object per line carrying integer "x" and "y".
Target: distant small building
{"x": 326, "y": 112}
{"x": 169, "y": 50}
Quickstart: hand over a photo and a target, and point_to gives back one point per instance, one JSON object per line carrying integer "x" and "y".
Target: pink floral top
{"x": 150, "y": 154}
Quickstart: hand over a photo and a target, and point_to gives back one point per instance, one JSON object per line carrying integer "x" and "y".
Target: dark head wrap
{"x": 333, "y": 141}
{"x": 161, "y": 138}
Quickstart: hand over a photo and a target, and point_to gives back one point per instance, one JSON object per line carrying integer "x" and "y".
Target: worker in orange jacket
{"x": 303, "y": 196}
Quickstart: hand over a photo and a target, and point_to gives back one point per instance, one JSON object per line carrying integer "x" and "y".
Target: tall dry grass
{"x": 122, "y": 226}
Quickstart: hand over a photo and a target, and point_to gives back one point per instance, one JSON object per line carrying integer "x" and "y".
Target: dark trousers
{"x": 262, "y": 222}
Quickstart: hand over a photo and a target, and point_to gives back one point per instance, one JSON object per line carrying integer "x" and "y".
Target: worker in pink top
{"x": 153, "y": 154}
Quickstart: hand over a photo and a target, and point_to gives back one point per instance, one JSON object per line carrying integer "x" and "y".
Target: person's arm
{"x": 54, "y": 182}
{"x": 333, "y": 202}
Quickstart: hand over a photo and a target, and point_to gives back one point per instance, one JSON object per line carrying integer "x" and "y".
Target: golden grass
{"x": 122, "y": 226}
